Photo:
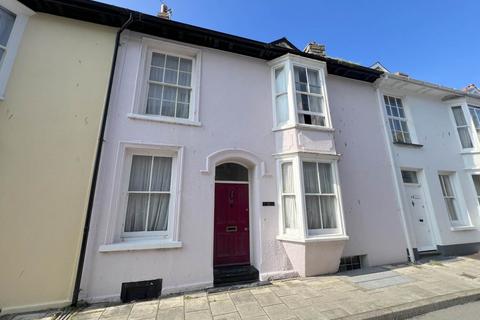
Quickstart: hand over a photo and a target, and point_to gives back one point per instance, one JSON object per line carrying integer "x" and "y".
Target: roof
{"x": 105, "y": 14}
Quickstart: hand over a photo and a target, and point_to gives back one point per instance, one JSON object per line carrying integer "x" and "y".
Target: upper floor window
{"x": 475, "y": 113}
{"x": 476, "y": 182}
{"x": 299, "y": 93}
{"x": 308, "y": 95}
{"x": 7, "y": 20}
{"x": 462, "y": 127}
{"x": 397, "y": 119}
{"x": 169, "y": 86}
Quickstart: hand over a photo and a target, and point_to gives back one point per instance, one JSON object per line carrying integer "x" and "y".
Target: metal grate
{"x": 350, "y": 263}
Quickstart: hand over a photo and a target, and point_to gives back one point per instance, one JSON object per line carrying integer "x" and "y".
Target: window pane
{"x": 6, "y": 24}
{"x": 161, "y": 173}
{"x": 300, "y": 79}
{"x": 452, "y": 212}
{"x": 326, "y": 180}
{"x": 328, "y": 211}
{"x": 311, "y": 119}
{"x": 312, "y": 204}
{"x": 459, "y": 116}
{"x": 315, "y": 104}
{"x": 140, "y": 173}
{"x": 287, "y": 178}
{"x": 2, "y": 51}
{"x": 282, "y": 108}
{"x": 153, "y": 106}
{"x": 158, "y": 59}
{"x": 155, "y": 91}
{"x": 231, "y": 172}
{"x": 302, "y": 102}
{"x": 171, "y": 76}
{"x": 158, "y": 212}
{"x": 314, "y": 81}
{"x": 156, "y": 74}
{"x": 185, "y": 65}
{"x": 184, "y": 79}
{"x": 464, "y": 135}
{"x": 476, "y": 182}
{"x": 409, "y": 176}
{"x": 280, "y": 80}
{"x": 136, "y": 212}
{"x": 310, "y": 177}
{"x": 172, "y": 63}
{"x": 446, "y": 186}
{"x": 182, "y": 110}
{"x": 395, "y": 112}
{"x": 183, "y": 95}
{"x": 290, "y": 212}
{"x": 474, "y": 117}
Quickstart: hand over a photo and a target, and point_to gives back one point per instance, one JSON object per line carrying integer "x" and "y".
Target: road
{"x": 469, "y": 311}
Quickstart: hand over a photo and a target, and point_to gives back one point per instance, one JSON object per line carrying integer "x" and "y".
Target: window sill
{"x": 310, "y": 239}
{"x": 140, "y": 245}
{"x": 411, "y": 145}
{"x": 303, "y": 126}
{"x": 184, "y": 122}
{"x": 472, "y": 151}
{"x": 463, "y": 228}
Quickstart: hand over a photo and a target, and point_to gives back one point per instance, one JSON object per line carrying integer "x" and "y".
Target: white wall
{"x": 372, "y": 214}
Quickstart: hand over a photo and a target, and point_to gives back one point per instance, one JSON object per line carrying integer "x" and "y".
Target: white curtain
{"x": 289, "y": 206}
{"x": 314, "y": 220}
{"x": 310, "y": 177}
{"x": 313, "y": 81}
{"x": 328, "y": 211}
{"x": 281, "y": 100}
{"x": 326, "y": 177}
{"x": 156, "y": 204}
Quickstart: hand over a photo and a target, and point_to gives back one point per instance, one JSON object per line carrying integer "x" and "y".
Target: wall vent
{"x": 141, "y": 290}
{"x": 350, "y": 263}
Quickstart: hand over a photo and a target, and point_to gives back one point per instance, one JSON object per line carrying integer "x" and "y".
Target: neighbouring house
{"x": 435, "y": 150}
{"x": 54, "y": 75}
{"x": 228, "y": 159}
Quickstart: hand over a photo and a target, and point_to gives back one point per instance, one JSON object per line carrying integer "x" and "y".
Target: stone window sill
{"x": 303, "y": 126}
{"x": 140, "y": 245}
{"x": 320, "y": 238}
{"x": 185, "y": 122}
{"x": 463, "y": 228}
{"x": 411, "y": 145}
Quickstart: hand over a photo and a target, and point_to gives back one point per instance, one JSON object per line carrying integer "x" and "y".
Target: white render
{"x": 432, "y": 125}
{"x": 233, "y": 120}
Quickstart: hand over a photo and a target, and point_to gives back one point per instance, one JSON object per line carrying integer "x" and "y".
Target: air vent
{"x": 141, "y": 290}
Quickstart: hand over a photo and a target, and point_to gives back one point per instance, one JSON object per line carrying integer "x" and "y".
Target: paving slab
{"x": 389, "y": 292}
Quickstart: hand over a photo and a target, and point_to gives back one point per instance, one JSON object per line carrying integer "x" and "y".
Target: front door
{"x": 419, "y": 218}
{"x": 231, "y": 238}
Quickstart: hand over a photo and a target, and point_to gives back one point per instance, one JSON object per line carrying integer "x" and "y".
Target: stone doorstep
{"x": 417, "y": 308}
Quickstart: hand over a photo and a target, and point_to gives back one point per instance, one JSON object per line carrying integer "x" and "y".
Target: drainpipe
{"x": 393, "y": 166}
{"x": 93, "y": 186}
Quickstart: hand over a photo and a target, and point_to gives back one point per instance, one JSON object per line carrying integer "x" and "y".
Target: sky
{"x": 432, "y": 40}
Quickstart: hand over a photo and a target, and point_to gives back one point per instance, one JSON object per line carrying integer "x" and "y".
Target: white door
{"x": 418, "y": 214}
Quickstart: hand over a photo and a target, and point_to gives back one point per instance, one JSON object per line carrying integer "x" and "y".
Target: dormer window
{"x": 299, "y": 93}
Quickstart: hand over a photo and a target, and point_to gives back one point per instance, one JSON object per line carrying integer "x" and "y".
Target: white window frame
{"x": 22, "y": 14}
{"x": 289, "y": 61}
{"x": 120, "y": 192}
{"x": 463, "y": 218}
{"x": 303, "y": 234}
{"x": 149, "y": 46}
{"x": 398, "y": 118}
{"x": 469, "y": 125}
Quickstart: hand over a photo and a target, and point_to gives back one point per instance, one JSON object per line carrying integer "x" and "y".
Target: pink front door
{"x": 231, "y": 235}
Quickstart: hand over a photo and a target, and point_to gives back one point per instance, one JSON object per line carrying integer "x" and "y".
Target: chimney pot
{"x": 165, "y": 12}
{"x": 315, "y": 48}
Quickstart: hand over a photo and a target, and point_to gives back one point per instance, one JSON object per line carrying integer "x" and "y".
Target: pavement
{"x": 388, "y": 292}
{"x": 469, "y": 311}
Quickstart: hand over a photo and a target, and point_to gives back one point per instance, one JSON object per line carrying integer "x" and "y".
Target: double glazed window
{"x": 309, "y": 99}
{"x": 448, "y": 192}
{"x": 169, "y": 86}
{"x": 320, "y": 199}
{"x": 397, "y": 119}
{"x": 7, "y": 20}
{"x": 149, "y": 194}
{"x": 462, "y": 127}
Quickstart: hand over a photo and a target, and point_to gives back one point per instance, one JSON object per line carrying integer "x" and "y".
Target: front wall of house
{"x": 49, "y": 125}
{"x": 432, "y": 123}
{"x": 372, "y": 214}
{"x": 234, "y": 114}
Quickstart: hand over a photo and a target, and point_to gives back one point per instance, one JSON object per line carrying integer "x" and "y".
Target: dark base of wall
{"x": 462, "y": 249}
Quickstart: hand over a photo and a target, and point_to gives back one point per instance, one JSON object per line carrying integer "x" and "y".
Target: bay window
{"x": 309, "y": 197}
{"x": 299, "y": 93}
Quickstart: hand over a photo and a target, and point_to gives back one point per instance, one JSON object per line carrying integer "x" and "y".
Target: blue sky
{"x": 431, "y": 40}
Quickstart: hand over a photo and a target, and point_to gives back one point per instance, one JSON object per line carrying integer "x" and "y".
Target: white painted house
{"x": 222, "y": 152}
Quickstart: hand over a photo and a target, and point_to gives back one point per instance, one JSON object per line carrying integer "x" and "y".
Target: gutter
{"x": 86, "y": 228}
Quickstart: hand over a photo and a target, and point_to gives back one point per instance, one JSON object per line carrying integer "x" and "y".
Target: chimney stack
{"x": 315, "y": 48}
{"x": 165, "y": 12}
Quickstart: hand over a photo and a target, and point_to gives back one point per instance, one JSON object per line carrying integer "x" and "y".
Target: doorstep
{"x": 388, "y": 292}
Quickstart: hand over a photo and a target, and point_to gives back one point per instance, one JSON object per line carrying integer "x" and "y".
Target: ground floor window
{"x": 449, "y": 196}
{"x": 309, "y": 197}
